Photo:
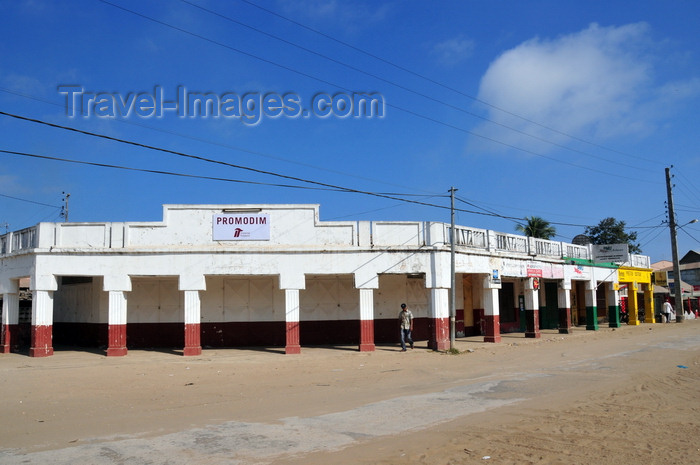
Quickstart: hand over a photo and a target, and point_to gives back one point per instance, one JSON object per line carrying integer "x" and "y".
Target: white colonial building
{"x": 275, "y": 275}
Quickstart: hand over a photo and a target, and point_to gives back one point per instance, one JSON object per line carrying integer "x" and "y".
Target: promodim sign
{"x": 241, "y": 227}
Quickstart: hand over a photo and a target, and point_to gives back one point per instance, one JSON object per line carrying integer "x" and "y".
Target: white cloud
{"x": 679, "y": 90}
{"x": 351, "y": 17}
{"x": 11, "y": 184}
{"x": 24, "y": 84}
{"x": 453, "y": 50}
{"x": 597, "y": 83}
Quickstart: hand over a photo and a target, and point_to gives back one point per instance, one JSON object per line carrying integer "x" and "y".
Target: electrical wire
{"x": 405, "y": 110}
{"x": 169, "y": 173}
{"x": 212, "y": 178}
{"x": 690, "y": 183}
{"x": 356, "y": 214}
{"x": 690, "y": 235}
{"x": 218, "y": 144}
{"x": 392, "y": 196}
{"x": 28, "y": 201}
{"x": 407, "y": 89}
{"x": 650, "y": 219}
{"x": 174, "y": 152}
{"x": 440, "y": 84}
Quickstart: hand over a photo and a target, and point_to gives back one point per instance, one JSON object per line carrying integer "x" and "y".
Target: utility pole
{"x": 453, "y": 295}
{"x": 677, "y": 288}
{"x": 64, "y": 213}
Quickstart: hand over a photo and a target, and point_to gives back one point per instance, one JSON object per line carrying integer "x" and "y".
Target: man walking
{"x": 405, "y": 327}
{"x": 667, "y": 310}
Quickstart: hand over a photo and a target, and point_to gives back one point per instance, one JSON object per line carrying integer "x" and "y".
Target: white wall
{"x": 155, "y": 300}
{"x": 242, "y": 299}
{"x": 80, "y": 303}
{"x": 397, "y": 289}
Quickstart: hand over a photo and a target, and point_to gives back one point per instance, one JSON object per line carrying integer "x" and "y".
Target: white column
{"x": 117, "y": 308}
{"x": 367, "y": 320}
{"x": 440, "y": 318}
{"x": 116, "y": 323}
{"x": 613, "y": 299}
{"x": 532, "y": 308}
{"x": 116, "y": 286}
{"x": 193, "y": 345}
{"x": 10, "y": 320}
{"x": 592, "y": 306}
{"x": 10, "y": 309}
{"x": 291, "y": 304}
{"x": 192, "y": 307}
{"x": 564, "y": 301}
{"x": 42, "y": 324}
{"x": 191, "y": 283}
{"x": 492, "y": 316}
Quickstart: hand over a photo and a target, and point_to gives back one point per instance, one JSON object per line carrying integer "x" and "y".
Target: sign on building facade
{"x": 616, "y": 253}
{"x": 241, "y": 227}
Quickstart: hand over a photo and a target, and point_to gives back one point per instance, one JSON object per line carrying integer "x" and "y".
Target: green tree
{"x": 537, "y": 227}
{"x": 612, "y": 231}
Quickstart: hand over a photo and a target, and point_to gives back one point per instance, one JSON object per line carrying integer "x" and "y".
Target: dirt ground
{"x": 624, "y": 395}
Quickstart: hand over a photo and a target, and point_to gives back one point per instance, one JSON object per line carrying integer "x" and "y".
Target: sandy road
{"x": 337, "y": 405}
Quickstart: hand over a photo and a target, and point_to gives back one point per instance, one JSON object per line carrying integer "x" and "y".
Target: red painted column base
{"x": 116, "y": 351}
{"x": 492, "y": 328}
{"x": 440, "y": 337}
{"x": 193, "y": 345}
{"x": 292, "y": 350}
{"x": 367, "y": 336}
{"x": 116, "y": 336}
{"x": 292, "y": 346}
{"x": 42, "y": 337}
{"x": 190, "y": 351}
{"x": 6, "y": 337}
{"x": 532, "y": 318}
{"x": 565, "y": 321}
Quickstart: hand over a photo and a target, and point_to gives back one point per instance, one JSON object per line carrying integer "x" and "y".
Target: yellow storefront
{"x": 637, "y": 280}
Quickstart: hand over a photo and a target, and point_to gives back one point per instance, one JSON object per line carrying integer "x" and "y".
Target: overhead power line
{"x": 690, "y": 235}
{"x": 220, "y": 144}
{"x": 392, "y": 196}
{"x": 151, "y": 171}
{"x": 405, "y": 110}
{"x": 231, "y": 165}
{"x": 440, "y": 84}
{"x": 407, "y": 89}
{"x": 29, "y": 201}
{"x": 172, "y": 173}
{"x": 218, "y": 162}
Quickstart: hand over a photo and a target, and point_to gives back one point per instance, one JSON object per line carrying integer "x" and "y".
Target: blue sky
{"x": 566, "y": 110}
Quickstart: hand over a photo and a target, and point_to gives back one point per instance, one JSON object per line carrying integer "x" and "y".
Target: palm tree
{"x": 537, "y": 227}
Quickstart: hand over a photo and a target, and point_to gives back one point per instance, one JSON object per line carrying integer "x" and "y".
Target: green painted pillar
{"x": 591, "y": 307}
{"x": 613, "y": 301}
{"x": 592, "y": 318}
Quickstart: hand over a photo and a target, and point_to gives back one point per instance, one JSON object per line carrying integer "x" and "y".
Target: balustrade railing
{"x": 469, "y": 237}
{"x": 18, "y": 240}
{"x": 464, "y": 237}
{"x": 512, "y": 243}
{"x": 545, "y": 247}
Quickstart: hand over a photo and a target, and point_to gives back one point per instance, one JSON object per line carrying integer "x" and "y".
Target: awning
{"x": 686, "y": 288}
